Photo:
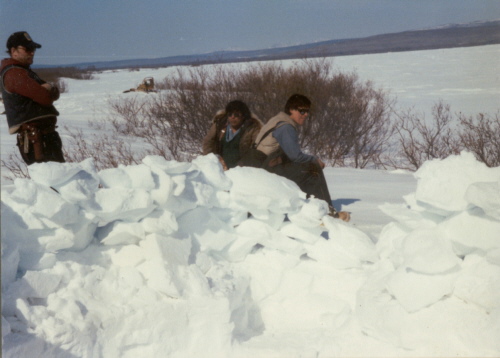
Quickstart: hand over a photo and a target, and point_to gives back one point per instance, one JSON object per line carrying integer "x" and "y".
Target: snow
{"x": 171, "y": 259}
{"x": 93, "y": 265}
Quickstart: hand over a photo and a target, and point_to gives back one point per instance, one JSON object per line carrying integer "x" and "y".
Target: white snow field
{"x": 173, "y": 259}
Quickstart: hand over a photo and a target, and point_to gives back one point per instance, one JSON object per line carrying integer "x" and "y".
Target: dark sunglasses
{"x": 236, "y": 114}
{"x": 27, "y": 49}
{"x": 303, "y": 110}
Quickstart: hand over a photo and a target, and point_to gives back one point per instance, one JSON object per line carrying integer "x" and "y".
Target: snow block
{"x": 128, "y": 177}
{"x": 485, "y": 196}
{"x": 347, "y": 247}
{"x": 120, "y": 233}
{"x": 470, "y": 231}
{"x": 279, "y": 195}
{"x": 212, "y": 171}
{"x": 36, "y": 284}
{"x": 427, "y": 251}
{"x": 310, "y": 213}
{"x": 415, "y": 291}
{"x": 56, "y": 175}
{"x": 160, "y": 221}
{"x": 442, "y": 183}
{"x": 269, "y": 237}
{"x": 128, "y": 256}
{"x": 309, "y": 235}
{"x": 10, "y": 260}
{"x": 479, "y": 283}
{"x": 210, "y": 233}
{"x": 163, "y": 258}
{"x": 122, "y": 204}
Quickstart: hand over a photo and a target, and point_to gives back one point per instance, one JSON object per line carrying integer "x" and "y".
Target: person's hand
{"x": 222, "y": 162}
{"x": 321, "y": 164}
{"x": 54, "y": 91}
{"x": 345, "y": 216}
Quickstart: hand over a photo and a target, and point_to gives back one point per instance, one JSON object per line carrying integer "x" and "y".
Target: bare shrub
{"x": 481, "y": 136}
{"x": 348, "y": 126}
{"x": 108, "y": 151}
{"x": 61, "y": 85}
{"x": 419, "y": 141}
{"x": 54, "y": 75}
{"x": 15, "y": 167}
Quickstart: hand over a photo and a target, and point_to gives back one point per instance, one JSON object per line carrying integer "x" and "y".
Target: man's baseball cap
{"x": 22, "y": 38}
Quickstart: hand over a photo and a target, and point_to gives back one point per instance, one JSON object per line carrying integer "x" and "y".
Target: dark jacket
{"x": 24, "y": 98}
{"x": 213, "y": 139}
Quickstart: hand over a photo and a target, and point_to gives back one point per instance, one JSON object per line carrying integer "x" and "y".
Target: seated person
{"x": 285, "y": 157}
{"x": 232, "y": 133}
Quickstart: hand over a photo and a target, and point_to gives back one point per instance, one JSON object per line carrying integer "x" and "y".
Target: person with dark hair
{"x": 279, "y": 141}
{"x": 28, "y": 102}
{"x": 232, "y": 133}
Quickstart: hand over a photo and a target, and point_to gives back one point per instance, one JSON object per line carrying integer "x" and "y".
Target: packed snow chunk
{"x": 212, "y": 170}
{"x": 269, "y": 237}
{"x": 160, "y": 221}
{"x": 347, "y": 247}
{"x": 80, "y": 188}
{"x": 427, "y": 251}
{"x": 415, "y": 291}
{"x": 379, "y": 314}
{"x": 409, "y": 217}
{"x": 164, "y": 257}
{"x": 128, "y": 256}
{"x": 83, "y": 231}
{"x": 53, "y": 174}
{"x": 5, "y": 329}
{"x": 485, "y": 196}
{"x": 42, "y": 202}
{"x": 493, "y": 257}
{"x": 170, "y": 167}
{"x": 129, "y": 177}
{"x": 120, "y": 233}
{"x": 122, "y": 204}
{"x": 470, "y": 230}
{"x": 210, "y": 232}
{"x": 307, "y": 235}
{"x": 390, "y": 242}
{"x": 479, "y": 283}
{"x": 257, "y": 190}
{"x": 310, "y": 213}
{"x": 164, "y": 186}
{"x": 36, "y": 284}
{"x": 442, "y": 183}
{"x": 10, "y": 259}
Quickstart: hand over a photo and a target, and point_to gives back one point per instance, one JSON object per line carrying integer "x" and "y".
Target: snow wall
{"x": 166, "y": 259}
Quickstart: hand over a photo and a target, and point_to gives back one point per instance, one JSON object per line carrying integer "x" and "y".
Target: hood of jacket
{"x": 10, "y": 61}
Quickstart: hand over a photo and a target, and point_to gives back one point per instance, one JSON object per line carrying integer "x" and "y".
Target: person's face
{"x": 23, "y": 54}
{"x": 235, "y": 120}
{"x": 299, "y": 115}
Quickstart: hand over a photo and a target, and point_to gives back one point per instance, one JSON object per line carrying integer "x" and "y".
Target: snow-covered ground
{"x": 169, "y": 259}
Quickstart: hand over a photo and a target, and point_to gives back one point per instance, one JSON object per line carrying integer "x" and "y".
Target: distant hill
{"x": 463, "y": 35}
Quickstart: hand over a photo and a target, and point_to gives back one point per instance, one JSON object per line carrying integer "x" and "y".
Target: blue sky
{"x": 75, "y": 31}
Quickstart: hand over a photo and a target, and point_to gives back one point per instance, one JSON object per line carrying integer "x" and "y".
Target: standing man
{"x": 29, "y": 102}
{"x": 279, "y": 140}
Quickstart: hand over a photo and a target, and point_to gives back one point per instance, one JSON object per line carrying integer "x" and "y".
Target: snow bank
{"x": 182, "y": 260}
{"x": 440, "y": 259}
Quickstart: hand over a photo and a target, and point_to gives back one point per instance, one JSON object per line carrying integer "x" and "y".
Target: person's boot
{"x": 342, "y": 215}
